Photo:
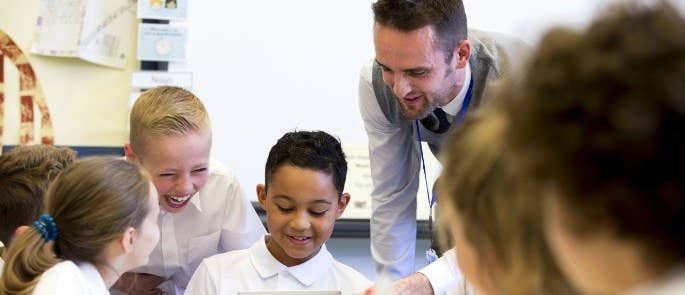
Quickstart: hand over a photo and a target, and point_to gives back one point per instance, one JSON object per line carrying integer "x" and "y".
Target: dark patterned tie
{"x": 436, "y": 121}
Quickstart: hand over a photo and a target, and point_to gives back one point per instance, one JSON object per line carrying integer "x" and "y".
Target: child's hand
{"x": 138, "y": 283}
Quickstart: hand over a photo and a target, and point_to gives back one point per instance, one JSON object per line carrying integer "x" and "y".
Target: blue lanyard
{"x": 430, "y": 253}
{"x": 461, "y": 115}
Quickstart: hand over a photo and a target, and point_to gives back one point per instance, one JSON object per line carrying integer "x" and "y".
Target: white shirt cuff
{"x": 443, "y": 274}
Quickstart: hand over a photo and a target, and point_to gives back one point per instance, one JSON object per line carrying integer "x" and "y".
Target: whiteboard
{"x": 267, "y": 67}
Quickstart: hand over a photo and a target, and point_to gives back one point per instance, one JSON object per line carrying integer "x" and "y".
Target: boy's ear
{"x": 128, "y": 152}
{"x": 261, "y": 195}
{"x": 342, "y": 204}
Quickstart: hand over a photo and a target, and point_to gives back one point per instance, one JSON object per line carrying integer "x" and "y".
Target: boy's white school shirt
{"x": 68, "y": 278}
{"x": 219, "y": 218}
{"x": 255, "y": 269}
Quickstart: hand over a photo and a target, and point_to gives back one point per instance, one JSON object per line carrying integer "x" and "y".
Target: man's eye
{"x": 418, "y": 73}
{"x": 200, "y": 170}
{"x": 166, "y": 175}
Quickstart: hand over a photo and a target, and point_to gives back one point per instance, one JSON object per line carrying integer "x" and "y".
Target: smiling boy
{"x": 204, "y": 210}
{"x": 302, "y": 197}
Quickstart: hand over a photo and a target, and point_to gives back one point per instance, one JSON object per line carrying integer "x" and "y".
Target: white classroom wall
{"x": 267, "y": 67}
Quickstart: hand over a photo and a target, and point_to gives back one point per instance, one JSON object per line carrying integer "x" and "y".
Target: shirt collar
{"x": 93, "y": 277}
{"x": 454, "y": 105}
{"x": 306, "y": 273}
{"x": 195, "y": 201}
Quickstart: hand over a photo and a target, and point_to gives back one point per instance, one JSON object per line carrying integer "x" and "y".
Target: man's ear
{"x": 261, "y": 195}
{"x": 342, "y": 204}
{"x": 126, "y": 240}
{"x": 462, "y": 53}
{"x": 128, "y": 152}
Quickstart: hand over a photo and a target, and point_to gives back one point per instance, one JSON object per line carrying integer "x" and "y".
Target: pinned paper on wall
{"x": 161, "y": 42}
{"x": 163, "y": 9}
{"x": 98, "y": 31}
{"x": 359, "y": 183}
{"x": 150, "y": 79}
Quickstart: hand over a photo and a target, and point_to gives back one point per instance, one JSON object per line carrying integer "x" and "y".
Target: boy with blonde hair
{"x": 204, "y": 210}
{"x": 302, "y": 196}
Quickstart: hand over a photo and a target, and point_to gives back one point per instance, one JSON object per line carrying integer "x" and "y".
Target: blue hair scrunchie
{"x": 47, "y": 227}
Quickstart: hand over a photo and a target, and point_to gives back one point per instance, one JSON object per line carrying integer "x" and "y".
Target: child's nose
{"x": 184, "y": 185}
{"x": 300, "y": 221}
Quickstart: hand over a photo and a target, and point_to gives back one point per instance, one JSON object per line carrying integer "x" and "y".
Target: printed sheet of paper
{"x": 58, "y": 28}
{"x": 163, "y": 9}
{"x": 108, "y": 29}
{"x": 359, "y": 183}
{"x": 162, "y": 42}
{"x": 99, "y": 31}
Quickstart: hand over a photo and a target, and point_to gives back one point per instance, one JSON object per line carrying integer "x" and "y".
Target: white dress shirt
{"x": 443, "y": 273}
{"x": 393, "y": 221}
{"x": 68, "y": 278}
{"x": 463, "y": 288}
{"x": 255, "y": 269}
{"x": 673, "y": 283}
{"x": 219, "y": 218}
{"x": 2, "y": 262}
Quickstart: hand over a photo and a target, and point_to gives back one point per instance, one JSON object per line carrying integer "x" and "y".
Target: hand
{"x": 138, "y": 283}
{"x": 415, "y": 284}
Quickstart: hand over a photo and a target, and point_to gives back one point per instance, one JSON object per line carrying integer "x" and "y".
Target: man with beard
{"x": 428, "y": 74}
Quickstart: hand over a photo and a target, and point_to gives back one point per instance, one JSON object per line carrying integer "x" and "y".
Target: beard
{"x": 414, "y": 113}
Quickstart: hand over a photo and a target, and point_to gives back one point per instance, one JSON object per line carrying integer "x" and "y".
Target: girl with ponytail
{"x": 100, "y": 221}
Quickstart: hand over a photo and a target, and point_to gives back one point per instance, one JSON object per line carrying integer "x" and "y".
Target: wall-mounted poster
{"x": 99, "y": 31}
{"x": 163, "y": 9}
{"x": 161, "y": 42}
{"x": 359, "y": 183}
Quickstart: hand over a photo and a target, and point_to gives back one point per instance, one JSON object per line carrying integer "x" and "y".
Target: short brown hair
{"x": 447, "y": 17}
{"x": 599, "y": 116}
{"x": 25, "y": 172}
{"x": 479, "y": 184}
{"x": 166, "y": 111}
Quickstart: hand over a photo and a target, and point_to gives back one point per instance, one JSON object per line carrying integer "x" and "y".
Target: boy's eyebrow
{"x": 288, "y": 198}
{"x": 322, "y": 202}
